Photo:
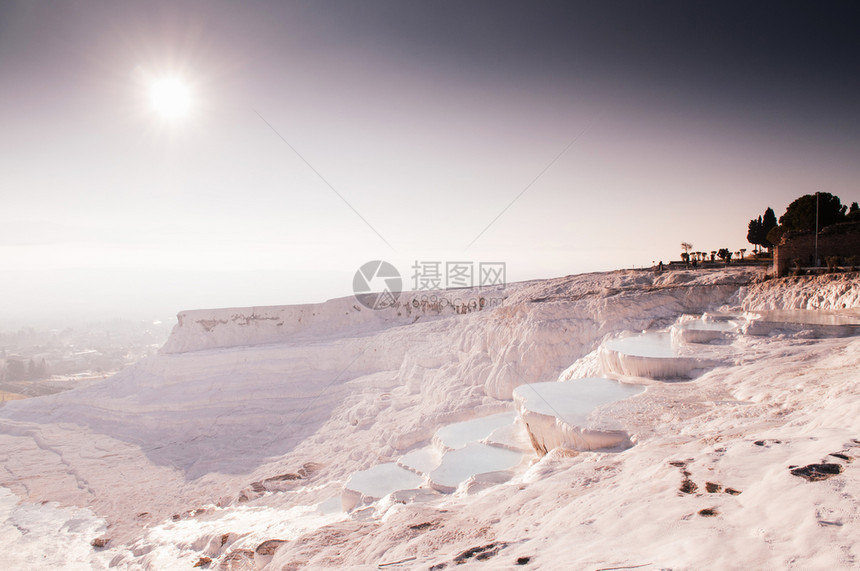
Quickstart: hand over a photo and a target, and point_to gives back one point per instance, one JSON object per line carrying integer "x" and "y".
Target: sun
{"x": 170, "y": 97}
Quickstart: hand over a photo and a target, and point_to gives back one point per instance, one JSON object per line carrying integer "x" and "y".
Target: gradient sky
{"x": 428, "y": 118}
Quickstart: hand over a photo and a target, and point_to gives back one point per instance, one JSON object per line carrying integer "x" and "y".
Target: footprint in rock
{"x": 764, "y": 443}
{"x": 715, "y": 488}
{"x": 480, "y": 553}
{"x": 427, "y": 525}
{"x": 688, "y": 486}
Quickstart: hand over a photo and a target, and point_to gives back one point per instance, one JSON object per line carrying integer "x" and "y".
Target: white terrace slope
{"x": 235, "y": 398}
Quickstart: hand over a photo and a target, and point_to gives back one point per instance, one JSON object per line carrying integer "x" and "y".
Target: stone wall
{"x": 841, "y": 240}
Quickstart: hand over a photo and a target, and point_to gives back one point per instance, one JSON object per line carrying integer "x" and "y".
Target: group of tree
{"x": 805, "y": 214}
{"x": 20, "y": 370}
{"x": 759, "y": 228}
{"x": 723, "y": 253}
{"x": 812, "y": 211}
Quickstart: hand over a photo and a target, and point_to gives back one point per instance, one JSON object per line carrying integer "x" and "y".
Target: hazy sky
{"x": 428, "y": 118}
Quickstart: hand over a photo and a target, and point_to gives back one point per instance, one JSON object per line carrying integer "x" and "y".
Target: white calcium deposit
{"x": 235, "y": 443}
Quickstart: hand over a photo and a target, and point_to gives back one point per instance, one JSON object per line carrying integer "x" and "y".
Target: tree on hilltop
{"x": 801, "y": 214}
{"x": 769, "y": 222}
{"x": 755, "y": 233}
{"x": 685, "y": 255}
{"x": 775, "y": 235}
{"x": 759, "y": 228}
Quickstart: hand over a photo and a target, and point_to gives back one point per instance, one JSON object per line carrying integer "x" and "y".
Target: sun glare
{"x": 170, "y": 97}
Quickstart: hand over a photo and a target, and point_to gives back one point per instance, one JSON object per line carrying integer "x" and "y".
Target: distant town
{"x": 37, "y": 362}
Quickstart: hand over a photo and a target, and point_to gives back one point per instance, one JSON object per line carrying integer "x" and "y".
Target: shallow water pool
{"x": 382, "y": 479}
{"x": 460, "y": 434}
{"x": 811, "y": 317}
{"x": 459, "y": 465}
{"x": 653, "y": 344}
{"x": 709, "y": 325}
{"x": 423, "y": 460}
{"x": 573, "y": 401}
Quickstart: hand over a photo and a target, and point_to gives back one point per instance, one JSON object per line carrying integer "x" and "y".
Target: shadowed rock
{"x": 269, "y": 546}
{"x": 480, "y": 553}
{"x": 239, "y": 560}
{"x": 816, "y": 472}
{"x": 266, "y": 551}
{"x": 688, "y": 486}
